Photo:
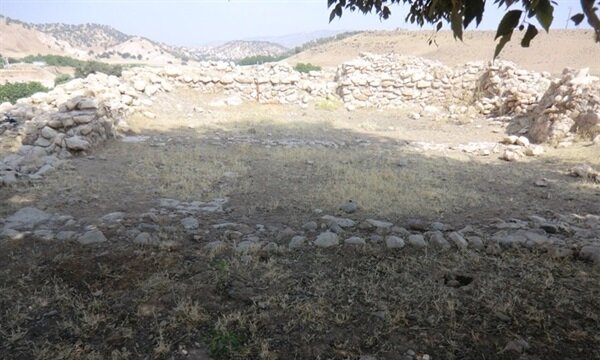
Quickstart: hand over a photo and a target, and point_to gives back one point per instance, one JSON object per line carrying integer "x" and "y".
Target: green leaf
{"x": 544, "y": 12}
{"x": 439, "y": 26}
{"x": 503, "y": 41}
{"x": 456, "y": 21}
{"x": 508, "y": 23}
{"x": 531, "y": 32}
{"x": 577, "y": 18}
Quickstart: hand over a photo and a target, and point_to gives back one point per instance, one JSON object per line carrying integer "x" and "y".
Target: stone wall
{"x": 83, "y": 113}
{"x": 394, "y": 81}
{"x": 571, "y": 105}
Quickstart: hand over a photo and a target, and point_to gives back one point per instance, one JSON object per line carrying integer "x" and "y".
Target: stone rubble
{"x": 563, "y": 237}
{"x": 78, "y": 116}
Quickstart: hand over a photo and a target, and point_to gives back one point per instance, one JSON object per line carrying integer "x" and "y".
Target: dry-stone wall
{"x": 81, "y": 114}
{"x": 503, "y": 89}
{"x": 571, "y": 105}
{"x": 394, "y": 81}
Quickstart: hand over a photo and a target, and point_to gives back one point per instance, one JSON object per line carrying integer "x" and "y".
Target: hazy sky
{"x": 195, "y": 22}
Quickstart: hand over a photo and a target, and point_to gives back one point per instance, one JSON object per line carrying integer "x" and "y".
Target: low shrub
{"x": 92, "y": 67}
{"x": 12, "y": 92}
{"x": 62, "y": 78}
{"x": 304, "y": 68}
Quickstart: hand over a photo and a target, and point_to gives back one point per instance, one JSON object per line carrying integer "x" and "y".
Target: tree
{"x": 461, "y": 13}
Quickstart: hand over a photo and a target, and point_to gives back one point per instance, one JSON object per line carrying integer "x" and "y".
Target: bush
{"x": 12, "y": 92}
{"x": 304, "y": 68}
{"x": 92, "y": 67}
{"x": 62, "y": 78}
{"x": 259, "y": 59}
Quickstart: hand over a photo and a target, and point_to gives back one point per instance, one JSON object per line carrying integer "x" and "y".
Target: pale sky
{"x": 196, "y": 22}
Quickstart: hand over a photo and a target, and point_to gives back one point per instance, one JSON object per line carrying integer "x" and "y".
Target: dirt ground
{"x": 280, "y": 167}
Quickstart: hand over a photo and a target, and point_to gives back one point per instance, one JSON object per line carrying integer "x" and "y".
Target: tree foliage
{"x": 460, "y": 14}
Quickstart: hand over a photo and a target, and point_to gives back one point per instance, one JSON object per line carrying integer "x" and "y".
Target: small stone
{"x": 92, "y": 237}
{"x": 190, "y": 223}
{"x": 144, "y": 238}
{"x": 376, "y": 238}
{"x": 510, "y": 155}
{"x": 297, "y": 242}
{"x": 326, "y": 239}
{"x": 66, "y": 235}
{"x": 77, "y": 143}
{"x": 559, "y": 252}
{"x": 590, "y": 253}
{"x": 475, "y": 242}
{"x": 26, "y": 219}
{"x": 438, "y": 226}
{"x": 394, "y": 242}
{"x": 310, "y": 226}
{"x": 522, "y": 141}
{"x": 417, "y": 225}
{"x": 380, "y": 224}
{"x": 417, "y": 240}
{"x": 11, "y": 234}
{"x": 437, "y": 239}
{"x": 113, "y": 217}
{"x": 45, "y": 235}
{"x": 349, "y": 207}
{"x": 493, "y": 249}
{"x": 458, "y": 240}
{"x": 355, "y": 240}
{"x": 342, "y": 222}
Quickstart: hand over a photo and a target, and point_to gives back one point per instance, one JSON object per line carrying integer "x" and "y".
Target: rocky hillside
{"x": 84, "y": 36}
{"x": 102, "y": 42}
{"x": 235, "y": 50}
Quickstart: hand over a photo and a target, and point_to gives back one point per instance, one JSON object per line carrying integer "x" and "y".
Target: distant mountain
{"x": 293, "y": 40}
{"x": 105, "y": 43}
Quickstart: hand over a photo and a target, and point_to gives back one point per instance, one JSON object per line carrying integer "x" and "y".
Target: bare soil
{"x": 548, "y": 52}
{"x": 277, "y": 164}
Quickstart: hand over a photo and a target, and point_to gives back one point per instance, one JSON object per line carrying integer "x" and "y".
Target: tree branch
{"x": 590, "y": 13}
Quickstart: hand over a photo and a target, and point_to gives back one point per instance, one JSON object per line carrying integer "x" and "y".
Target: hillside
{"x": 563, "y": 48}
{"x": 18, "y": 39}
{"x": 239, "y": 49}
{"x": 84, "y": 36}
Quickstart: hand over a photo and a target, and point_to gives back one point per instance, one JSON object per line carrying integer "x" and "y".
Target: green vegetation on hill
{"x": 82, "y": 68}
{"x": 91, "y": 67}
{"x": 304, "y": 68}
{"x": 62, "y": 78}
{"x": 260, "y": 59}
{"x": 12, "y": 92}
{"x": 324, "y": 40}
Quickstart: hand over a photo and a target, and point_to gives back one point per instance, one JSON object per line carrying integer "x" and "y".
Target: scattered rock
{"x": 417, "y": 240}
{"x": 326, "y": 239}
{"x": 355, "y": 240}
{"x": 349, "y": 207}
{"x": 590, "y": 253}
{"x": 380, "y": 224}
{"x": 458, "y": 240}
{"x": 26, "y": 219}
{"x": 92, "y": 237}
{"x": 297, "y": 242}
{"x": 310, "y": 226}
{"x": 341, "y": 222}
{"x": 394, "y": 242}
{"x": 190, "y": 223}
{"x": 437, "y": 239}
